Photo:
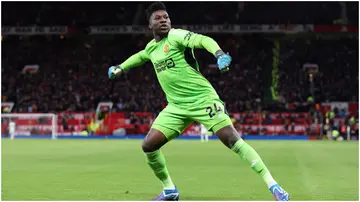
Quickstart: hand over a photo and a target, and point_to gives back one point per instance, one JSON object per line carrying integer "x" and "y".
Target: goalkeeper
{"x": 190, "y": 98}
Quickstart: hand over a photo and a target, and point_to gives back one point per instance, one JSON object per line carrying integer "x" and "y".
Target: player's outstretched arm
{"x": 185, "y": 38}
{"x": 223, "y": 59}
{"x": 133, "y": 61}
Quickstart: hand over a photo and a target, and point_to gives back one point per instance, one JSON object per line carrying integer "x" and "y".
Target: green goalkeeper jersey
{"x": 176, "y": 67}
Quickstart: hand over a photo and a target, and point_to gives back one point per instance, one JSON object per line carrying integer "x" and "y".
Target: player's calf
{"x": 156, "y": 160}
{"x": 229, "y": 136}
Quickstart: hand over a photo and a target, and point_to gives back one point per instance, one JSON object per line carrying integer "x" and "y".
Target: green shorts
{"x": 173, "y": 120}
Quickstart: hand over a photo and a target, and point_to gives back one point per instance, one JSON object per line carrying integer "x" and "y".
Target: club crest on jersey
{"x": 166, "y": 48}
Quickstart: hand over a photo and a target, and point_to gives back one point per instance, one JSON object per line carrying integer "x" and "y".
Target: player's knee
{"x": 228, "y": 136}
{"x": 147, "y": 147}
{"x": 153, "y": 141}
{"x": 230, "y": 140}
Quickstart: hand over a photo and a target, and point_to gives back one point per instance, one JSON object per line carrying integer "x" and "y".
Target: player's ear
{"x": 150, "y": 24}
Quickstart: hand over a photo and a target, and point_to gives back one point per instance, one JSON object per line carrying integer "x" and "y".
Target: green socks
{"x": 156, "y": 161}
{"x": 247, "y": 153}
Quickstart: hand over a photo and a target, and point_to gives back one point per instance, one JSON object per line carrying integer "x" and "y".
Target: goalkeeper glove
{"x": 223, "y": 60}
{"x": 114, "y": 71}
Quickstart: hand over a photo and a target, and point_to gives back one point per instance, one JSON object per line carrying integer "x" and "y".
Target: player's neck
{"x": 158, "y": 37}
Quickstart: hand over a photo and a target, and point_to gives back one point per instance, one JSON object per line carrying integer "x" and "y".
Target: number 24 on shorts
{"x": 212, "y": 110}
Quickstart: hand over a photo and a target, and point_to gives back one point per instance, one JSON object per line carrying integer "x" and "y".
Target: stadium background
{"x": 294, "y": 76}
{"x": 275, "y": 47}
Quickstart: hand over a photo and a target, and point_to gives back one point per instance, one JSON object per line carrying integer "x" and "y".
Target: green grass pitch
{"x": 116, "y": 170}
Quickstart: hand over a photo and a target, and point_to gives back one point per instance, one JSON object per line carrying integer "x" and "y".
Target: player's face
{"x": 160, "y": 22}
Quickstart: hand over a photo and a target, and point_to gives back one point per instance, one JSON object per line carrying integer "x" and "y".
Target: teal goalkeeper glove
{"x": 114, "y": 71}
{"x": 223, "y": 60}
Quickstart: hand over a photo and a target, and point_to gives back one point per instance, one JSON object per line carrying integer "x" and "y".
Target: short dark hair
{"x": 154, "y": 7}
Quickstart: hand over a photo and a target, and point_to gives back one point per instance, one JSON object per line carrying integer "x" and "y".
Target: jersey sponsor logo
{"x": 166, "y": 48}
{"x": 170, "y": 63}
{"x": 163, "y": 65}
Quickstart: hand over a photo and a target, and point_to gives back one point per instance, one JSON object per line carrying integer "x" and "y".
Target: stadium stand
{"x": 73, "y": 68}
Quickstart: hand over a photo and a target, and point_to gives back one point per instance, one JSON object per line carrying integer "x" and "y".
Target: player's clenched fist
{"x": 223, "y": 60}
{"x": 114, "y": 71}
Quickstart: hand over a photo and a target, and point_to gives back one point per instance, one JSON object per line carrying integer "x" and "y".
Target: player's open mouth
{"x": 163, "y": 27}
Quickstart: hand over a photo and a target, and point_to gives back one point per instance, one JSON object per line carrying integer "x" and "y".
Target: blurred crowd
{"x": 337, "y": 60}
{"x": 73, "y": 73}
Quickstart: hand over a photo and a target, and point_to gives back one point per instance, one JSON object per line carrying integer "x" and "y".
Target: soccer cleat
{"x": 279, "y": 193}
{"x": 168, "y": 195}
